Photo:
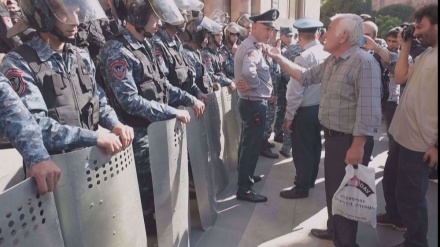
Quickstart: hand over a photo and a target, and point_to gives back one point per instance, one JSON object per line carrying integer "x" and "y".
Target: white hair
{"x": 373, "y": 26}
{"x": 352, "y": 24}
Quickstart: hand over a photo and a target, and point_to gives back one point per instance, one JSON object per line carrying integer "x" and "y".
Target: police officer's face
{"x": 263, "y": 32}
{"x": 218, "y": 38}
{"x": 233, "y": 38}
{"x": 153, "y": 24}
{"x": 68, "y": 24}
{"x": 426, "y": 33}
{"x": 287, "y": 39}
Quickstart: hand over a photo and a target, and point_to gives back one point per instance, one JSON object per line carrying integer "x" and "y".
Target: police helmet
{"x": 197, "y": 29}
{"x": 234, "y": 28}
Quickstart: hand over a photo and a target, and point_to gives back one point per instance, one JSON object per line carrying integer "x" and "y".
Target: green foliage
{"x": 401, "y": 11}
{"x": 331, "y": 7}
{"x": 385, "y": 24}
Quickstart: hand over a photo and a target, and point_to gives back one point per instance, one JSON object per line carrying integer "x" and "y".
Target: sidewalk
{"x": 282, "y": 222}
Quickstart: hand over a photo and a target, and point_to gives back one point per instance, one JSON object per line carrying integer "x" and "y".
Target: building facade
{"x": 290, "y": 10}
{"x": 378, "y": 4}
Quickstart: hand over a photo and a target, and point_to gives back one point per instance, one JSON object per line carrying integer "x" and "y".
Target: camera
{"x": 407, "y": 31}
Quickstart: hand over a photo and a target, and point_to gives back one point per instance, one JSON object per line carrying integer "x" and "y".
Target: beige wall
{"x": 290, "y": 10}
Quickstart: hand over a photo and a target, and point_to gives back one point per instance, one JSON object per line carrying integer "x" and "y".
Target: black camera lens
{"x": 408, "y": 32}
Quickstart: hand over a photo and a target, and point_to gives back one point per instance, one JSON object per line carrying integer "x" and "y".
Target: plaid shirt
{"x": 350, "y": 92}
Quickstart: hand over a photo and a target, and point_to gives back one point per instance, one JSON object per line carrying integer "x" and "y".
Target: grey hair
{"x": 372, "y": 25}
{"x": 352, "y": 24}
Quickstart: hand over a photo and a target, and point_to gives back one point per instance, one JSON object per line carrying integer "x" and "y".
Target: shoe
{"x": 268, "y": 153}
{"x": 322, "y": 234}
{"x": 278, "y": 139}
{"x": 267, "y": 144}
{"x": 250, "y": 196}
{"x": 256, "y": 179}
{"x": 293, "y": 194}
{"x": 285, "y": 153}
{"x": 385, "y": 220}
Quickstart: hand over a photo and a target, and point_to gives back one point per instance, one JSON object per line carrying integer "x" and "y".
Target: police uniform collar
{"x": 252, "y": 39}
{"x": 134, "y": 43}
{"x": 43, "y": 49}
{"x": 310, "y": 44}
{"x": 211, "y": 49}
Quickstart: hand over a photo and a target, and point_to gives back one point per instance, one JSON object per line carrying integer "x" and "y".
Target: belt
{"x": 329, "y": 132}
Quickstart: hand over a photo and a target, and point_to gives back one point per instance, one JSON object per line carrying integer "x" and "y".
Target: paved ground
{"x": 282, "y": 222}
{"x": 278, "y": 222}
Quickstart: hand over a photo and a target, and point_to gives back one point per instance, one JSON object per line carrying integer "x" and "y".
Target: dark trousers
{"x": 405, "y": 183}
{"x": 250, "y": 140}
{"x": 390, "y": 109}
{"x": 344, "y": 230}
{"x": 306, "y": 146}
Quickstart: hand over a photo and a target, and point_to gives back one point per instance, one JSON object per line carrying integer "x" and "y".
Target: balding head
{"x": 370, "y": 29}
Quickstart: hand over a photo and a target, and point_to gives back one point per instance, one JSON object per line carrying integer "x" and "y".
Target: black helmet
{"x": 196, "y": 30}
{"x": 41, "y": 15}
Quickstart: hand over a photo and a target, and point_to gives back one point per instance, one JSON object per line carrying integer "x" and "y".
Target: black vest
{"x": 70, "y": 99}
{"x": 179, "y": 74}
{"x": 152, "y": 85}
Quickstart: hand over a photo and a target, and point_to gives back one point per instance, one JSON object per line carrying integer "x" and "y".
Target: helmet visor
{"x": 167, "y": 11}
{"x": 211, "y": 25}
{"x": 237, "y": 29}
{"x": 76, "y": 11}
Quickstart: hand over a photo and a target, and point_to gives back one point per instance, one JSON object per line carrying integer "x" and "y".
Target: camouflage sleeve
{"x": 208, "y": 62}
{"x": 107, "y": 116}
{"x": 120, "y": 69}
{"x": 20, "y": 127}
{"x": 228, "y": 64}
{"x": 56, "y": 137}
{"x": 192, "y": 63}
{"x": 291, "y": 53}
{"x": 179, "y": 97}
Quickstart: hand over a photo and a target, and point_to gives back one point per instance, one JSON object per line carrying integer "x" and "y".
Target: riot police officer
{"x": 233, "y": 32}
{"x": 169, "y": 52}
{"x": 24, "y": 133}
{"x": 55, "y": 79}
{"x": 196, "y": 37}
{"x": 213, "y": 61}
{"x": 137, "y": 89}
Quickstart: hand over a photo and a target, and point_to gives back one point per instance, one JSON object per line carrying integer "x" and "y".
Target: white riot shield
{"x": 28, "y": 219}
{"x": 169, "y": 170}
{"x": 98, "y": 199}
{"x": 232, "y": 126}
{"x": 206, "y": 145}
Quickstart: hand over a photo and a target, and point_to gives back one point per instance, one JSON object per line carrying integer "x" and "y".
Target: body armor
{"x": 152, "y": 86}
{"x": 70, "y": 99}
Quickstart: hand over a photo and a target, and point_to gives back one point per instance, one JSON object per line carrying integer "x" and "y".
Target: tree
{"x": 331, "y": 7}
{"x": 401, "y": 11}
{"x": 385, "y": 24}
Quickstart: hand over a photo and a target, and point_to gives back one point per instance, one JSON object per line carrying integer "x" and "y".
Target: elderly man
{"x": 255, "y": 88}
{"x": 349, "y": 110}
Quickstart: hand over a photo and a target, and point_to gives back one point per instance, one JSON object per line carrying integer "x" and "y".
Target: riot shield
{"x": 98, "y": 199}
{"x": 28, "y": 219}
{"x": 169, "y": 170}
{"x": 206, "y": 145}
{"x": 232, "y": 126}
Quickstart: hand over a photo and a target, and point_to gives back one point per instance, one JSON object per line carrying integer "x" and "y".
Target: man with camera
{"x": 415, "y": 130}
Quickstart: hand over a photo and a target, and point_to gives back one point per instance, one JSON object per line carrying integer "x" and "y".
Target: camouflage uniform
{"x": 6, "y": 44}
{"x": 290, "y": 53}
{"x": 275, "y": 74}
{"x": 19, "y": 126}
{"x": 56, "y": 136}
{"x": 228, "y": 61}
{"x": 123, "y": 73}
{"x": 194, "y": 58}
{"x": 168, "y": 63}
{"x": 213, "y": 62}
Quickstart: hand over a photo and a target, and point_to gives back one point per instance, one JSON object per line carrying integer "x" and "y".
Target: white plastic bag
{"x": 356, "y": 198}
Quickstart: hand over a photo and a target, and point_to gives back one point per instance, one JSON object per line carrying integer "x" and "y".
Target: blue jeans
{"x": 250, "y": 140}
{"x": 405, "y": 183}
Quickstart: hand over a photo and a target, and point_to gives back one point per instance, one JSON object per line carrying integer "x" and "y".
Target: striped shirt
{"x": 350, "y": 92}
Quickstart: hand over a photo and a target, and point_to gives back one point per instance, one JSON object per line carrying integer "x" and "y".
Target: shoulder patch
{"x": 15, "y": 76}
{"x": 254, "y": 56}
{"x": 118, "y": 69}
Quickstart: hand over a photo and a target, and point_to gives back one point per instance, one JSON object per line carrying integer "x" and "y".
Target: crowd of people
{"x": 124, "y": 64}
